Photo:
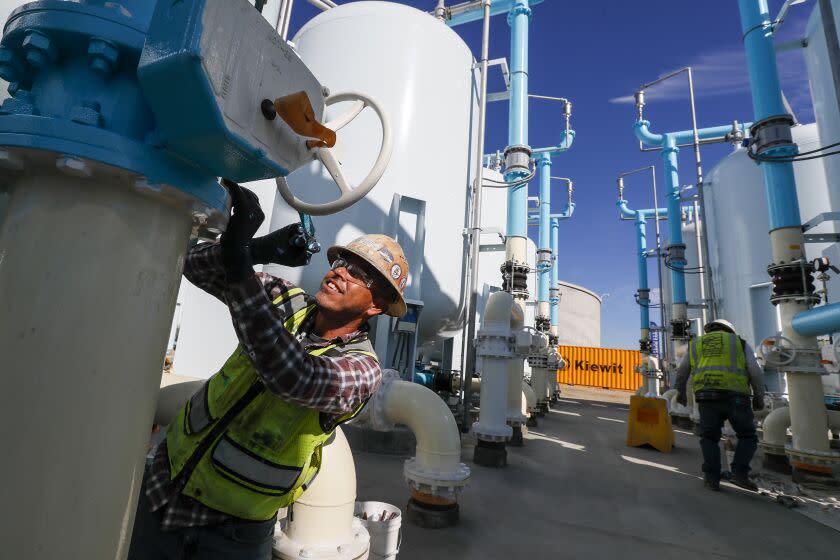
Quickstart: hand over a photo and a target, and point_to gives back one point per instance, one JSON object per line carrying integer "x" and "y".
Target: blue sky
{"x": 596, "y": 53}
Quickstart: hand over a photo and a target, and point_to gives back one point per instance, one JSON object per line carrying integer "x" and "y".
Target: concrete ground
{"x": 576, "y": 491}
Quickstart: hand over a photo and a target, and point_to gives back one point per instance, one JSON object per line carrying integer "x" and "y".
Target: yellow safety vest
{"x": 244, "y": 451}
{"x": 718, "y": 363}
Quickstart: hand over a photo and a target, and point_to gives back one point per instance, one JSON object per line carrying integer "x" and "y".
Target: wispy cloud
{"x": 723, "y": 71}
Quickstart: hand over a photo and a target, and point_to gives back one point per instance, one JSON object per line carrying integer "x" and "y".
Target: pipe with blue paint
{"x": 519, "y": 18}
{"x": 805, "y": 390}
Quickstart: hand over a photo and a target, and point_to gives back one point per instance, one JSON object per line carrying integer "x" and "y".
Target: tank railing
{"x": 471, "y": 11}
{"x": 323, "y": 5}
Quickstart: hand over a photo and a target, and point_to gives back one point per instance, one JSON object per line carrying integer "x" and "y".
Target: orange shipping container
{"x": 607, "y": 368}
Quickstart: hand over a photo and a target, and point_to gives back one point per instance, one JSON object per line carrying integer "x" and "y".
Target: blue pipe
{"x": 643, "y": 133}
{"x": 519, "y": 19}
{"x": 496, "y": 8}
{"x": 672, "y": 187}
{"x": 629, "y": 214}
{"x": 817, "y": 321}
{"x": 779, "y": 183}
{"x": 555, "y": 272}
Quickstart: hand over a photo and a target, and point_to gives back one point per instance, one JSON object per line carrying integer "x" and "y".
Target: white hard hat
{"x": 721, "y": 324}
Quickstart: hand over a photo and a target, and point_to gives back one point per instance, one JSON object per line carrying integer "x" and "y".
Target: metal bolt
{"x": 74, "y": 166}
{"x": 10, "y": 65}
{"x": 39, "y": 49}
{"x": 102, "y": 56}
{"x": 325, "y": 91}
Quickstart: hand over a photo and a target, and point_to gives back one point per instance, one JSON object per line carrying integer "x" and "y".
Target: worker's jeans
{"x": 713, "y": 413}
{"x": 244, "y": 540}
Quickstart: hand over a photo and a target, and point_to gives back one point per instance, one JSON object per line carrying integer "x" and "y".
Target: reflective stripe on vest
{"x": 240, "y": 463}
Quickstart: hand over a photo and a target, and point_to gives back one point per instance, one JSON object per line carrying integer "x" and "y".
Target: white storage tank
{"x": 579, "y": 316}
{"x": 422, "y": 73}
{"x": 824, "y": 95}
{"x": 738, "y": 226}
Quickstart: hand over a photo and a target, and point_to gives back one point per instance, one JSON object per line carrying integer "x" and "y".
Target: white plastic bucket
{"x": 385, "y": 536}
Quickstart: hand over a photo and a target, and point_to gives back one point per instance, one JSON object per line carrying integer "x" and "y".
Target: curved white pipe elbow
{"x": 323, "y": 515}
{"x": 529, "y": 398}
{"x": 174, "y": 393}
{"x": 434, "y": 427}
{"x": 775, "y": 427}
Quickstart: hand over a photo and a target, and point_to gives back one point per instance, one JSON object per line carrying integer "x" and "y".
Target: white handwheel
{"x": 777, "y": 351}
{"x": 349, "y": 194}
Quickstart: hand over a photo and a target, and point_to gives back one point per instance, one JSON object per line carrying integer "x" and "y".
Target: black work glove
{"x": 288, "y": 246}
{"x": 758, "y": 403}
{"x": 246, "y": 218}
{"x": 682, "y": 399}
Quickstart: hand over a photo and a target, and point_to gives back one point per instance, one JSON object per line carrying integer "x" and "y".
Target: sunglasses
{"x": 355, "y": 271}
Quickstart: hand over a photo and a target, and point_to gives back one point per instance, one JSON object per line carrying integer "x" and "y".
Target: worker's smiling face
{"x": 347, "y": 290}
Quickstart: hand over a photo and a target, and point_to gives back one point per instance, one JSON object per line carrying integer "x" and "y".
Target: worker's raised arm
{"x": 334, "y": 385}
{"x": 203, "y": 267}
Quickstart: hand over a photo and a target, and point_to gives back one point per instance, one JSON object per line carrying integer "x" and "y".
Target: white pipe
{"x": 320, "y": 523}
{"x": 539, "y": 383}
{"x": 529, "y": 398}
{"x": 84, "y": 384}
{"x": 175, "y": 391}
{"x": 434, "y": 427}
{"x": 324, "y": 513}
{"x": 775, "y": 429}
{"x": 493, "y": 351}
{"x": 516, "y": 368}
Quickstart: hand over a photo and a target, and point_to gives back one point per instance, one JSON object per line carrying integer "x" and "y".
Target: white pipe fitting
{"x": 436, "y": 468}
{"x": 775, "y": 428}
{"x": 494, "y": 350}
{"x": 529, "y": 399}
{"x": 320, "y": 523}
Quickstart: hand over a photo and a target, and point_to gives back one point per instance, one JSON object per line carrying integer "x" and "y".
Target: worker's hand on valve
{"x": 682, "y": 399}
{"x": 288, "y": 246}
{"x": 246, "y": 218}
{"x": 758, "y": 403}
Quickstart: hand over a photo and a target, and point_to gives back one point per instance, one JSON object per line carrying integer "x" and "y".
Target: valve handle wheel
{"x": 349, "y": 194}
{"x": 777, "y": 351}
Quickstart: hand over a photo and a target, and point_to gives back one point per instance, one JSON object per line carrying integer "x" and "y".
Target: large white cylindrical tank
{"x": 579, "y": 315}
{"x": 422, "y": 74}
{"x": 738, "y": 226}
{"x": 824, "y": 95}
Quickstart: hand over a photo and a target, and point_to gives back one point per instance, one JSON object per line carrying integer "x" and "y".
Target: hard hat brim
{"x": 397, "y": 308}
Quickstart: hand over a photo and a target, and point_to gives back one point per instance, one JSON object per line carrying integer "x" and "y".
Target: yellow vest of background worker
{"x": 245, "y": 451}
{"x": 718, "y": 363}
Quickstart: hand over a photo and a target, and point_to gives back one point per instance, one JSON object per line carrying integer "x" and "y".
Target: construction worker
{"x": 723, "y": 368}
{"x": 249, "y": 441}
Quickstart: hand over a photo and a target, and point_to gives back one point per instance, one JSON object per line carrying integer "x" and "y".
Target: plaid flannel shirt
{"x": 334, "y": 385}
